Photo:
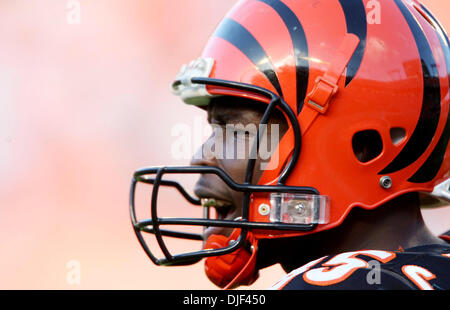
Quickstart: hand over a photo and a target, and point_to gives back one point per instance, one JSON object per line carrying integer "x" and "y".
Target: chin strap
{"x": 237, "y": 268}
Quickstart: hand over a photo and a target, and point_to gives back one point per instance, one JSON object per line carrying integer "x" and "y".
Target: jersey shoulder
{"x": 424, "y": 267}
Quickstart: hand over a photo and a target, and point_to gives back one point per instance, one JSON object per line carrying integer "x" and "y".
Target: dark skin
{"x": 233, "y": 111}
{"x": 396, "y": 225}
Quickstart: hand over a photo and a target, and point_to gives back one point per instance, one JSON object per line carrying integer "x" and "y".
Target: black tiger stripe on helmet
{"x": 356, "y": 20}
{"x": 429, "y": 117}
{"x": 430, "y": 168}
{"x": 236, "y": 34}
{"x": 300, "y": 44}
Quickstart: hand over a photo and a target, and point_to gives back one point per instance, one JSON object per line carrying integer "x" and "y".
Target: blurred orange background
{"x": 82, "y": 105}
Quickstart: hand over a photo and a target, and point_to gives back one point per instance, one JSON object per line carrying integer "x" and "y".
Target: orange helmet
{"x": 349, "y": 76}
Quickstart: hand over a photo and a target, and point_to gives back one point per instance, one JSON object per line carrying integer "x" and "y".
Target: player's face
{"x": 234, "y": 122}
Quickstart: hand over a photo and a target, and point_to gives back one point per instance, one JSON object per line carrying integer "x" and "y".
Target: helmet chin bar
{"x": 154, "y": 176}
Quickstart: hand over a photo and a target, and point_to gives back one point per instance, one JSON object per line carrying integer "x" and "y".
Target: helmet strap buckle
{"x": 326, "y": 86}
{"x": 321, "y": 95}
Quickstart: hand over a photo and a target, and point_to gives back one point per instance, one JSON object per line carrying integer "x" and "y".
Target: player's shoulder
{"x": 422, "y": 267}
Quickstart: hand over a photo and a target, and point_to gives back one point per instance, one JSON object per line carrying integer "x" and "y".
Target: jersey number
{"x": 342, "y": 266}
{"x": 419, "y": 276}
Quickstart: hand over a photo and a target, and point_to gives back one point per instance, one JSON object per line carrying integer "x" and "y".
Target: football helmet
{"x": 349, "y": 75}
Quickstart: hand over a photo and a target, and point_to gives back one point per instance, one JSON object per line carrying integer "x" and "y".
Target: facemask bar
{"x": 146, "y": 176}
{"x": 143, "y": 175}
{"x": 275, "y": 100}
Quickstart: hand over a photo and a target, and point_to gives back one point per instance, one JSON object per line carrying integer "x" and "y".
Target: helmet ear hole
{"x": 367, "y": 145}
{"x": 398, "y": 135}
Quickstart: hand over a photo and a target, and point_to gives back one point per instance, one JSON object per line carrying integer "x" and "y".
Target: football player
{"x": 357, "y": 94}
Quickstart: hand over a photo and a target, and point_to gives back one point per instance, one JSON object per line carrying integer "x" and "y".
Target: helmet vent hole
{"x": 367, "y": 145}
{"x": 398, "y": 135}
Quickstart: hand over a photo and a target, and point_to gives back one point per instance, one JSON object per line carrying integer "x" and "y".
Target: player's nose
{"x": 203, "y": 158}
